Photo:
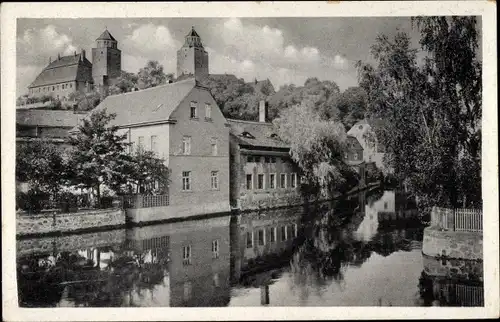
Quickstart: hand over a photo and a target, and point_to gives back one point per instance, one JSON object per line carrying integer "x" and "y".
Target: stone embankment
{"x": 41, "y": 224}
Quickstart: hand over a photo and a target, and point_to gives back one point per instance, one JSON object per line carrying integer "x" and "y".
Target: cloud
{"x": 340, "y": 62}
{"x": 36, "y": 46}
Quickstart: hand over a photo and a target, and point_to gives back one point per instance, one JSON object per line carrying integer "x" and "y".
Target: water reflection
{"x": 363, "y": 250}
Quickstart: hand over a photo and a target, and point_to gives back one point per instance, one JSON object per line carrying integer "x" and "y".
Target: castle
{"x": 75, "y": 73}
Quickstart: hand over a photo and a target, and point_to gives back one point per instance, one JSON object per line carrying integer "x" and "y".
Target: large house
{"x": 182, "y": 124}
{"x": 262, "y": 173}
{"x": 75, "y": 73}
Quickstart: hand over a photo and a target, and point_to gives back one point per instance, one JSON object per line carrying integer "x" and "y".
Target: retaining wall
{"x": 452, "y": 244}
{"x": 84, "y": 220}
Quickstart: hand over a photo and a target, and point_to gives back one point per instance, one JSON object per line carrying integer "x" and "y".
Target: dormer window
{"x": 273, "y": 136}
{"x": 360, "y": 127}
{"x": 247, "y": 135}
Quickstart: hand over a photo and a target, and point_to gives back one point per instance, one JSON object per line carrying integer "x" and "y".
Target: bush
{"x": 32, "y": 201}
{"x": 68, "y": 202}
{"x": 373, "y": 174}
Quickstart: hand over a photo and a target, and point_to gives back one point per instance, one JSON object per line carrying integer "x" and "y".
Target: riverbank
{"x": 55, "y": 223}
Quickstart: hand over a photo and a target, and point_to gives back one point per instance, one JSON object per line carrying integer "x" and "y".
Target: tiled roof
{"x": 260, "y": 134}
{"x": 148, "y": 105}
{"x": 65, "y": 69}
{"x": 52, "y": 118}
{"x": 257, "y": 85}
{"x": 106, "y": 36}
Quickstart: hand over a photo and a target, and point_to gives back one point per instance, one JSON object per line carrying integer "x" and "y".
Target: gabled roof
{"x": 264, "y": 134}
{"x": 106, "y": 36}
{"x": 354, "y": 143}
{"x": 66, "y": 69}
{"x": 147, "y": 105}
{"x": 257, "y": 85}
{"x": 49, "y": 118}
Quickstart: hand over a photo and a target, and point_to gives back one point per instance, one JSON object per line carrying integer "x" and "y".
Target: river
{"x": 361, "y": 251}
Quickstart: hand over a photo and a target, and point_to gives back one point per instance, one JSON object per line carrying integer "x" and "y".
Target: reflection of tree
{"x": 87, "y": 284}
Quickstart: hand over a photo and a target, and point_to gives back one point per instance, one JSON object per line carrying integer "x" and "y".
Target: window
{"x": 154, "y": 143}
{"x": 261, "y": 237}
{"x": 283, "y": 233}
{"x": 346, "y": 155}
{"x": 215, "y": 248}
{"x": 267, "y": 159}
{"x": 273, "y": 234}
{"x": 186, "y": 180}
{"x": 186, "y": 255}
{"x": 385, "y": 205}
{"x": 293, "y": 180}
{"x": 249, "y": 158}
{"x": 247, "y": 135}
{"x": 283, "y": 180}
{"x": 214, "y": 146}
{"x": 294, "y": 231}
{"x": 249, "y": 182}
{"x": 355, "y": 156}
{"x": 70, "y": 85}
{"x": 193, "y": 110}
{"x": 216, "y": 280}
{"x": 260, "y": 181}
{"x": 53, "y": 88}
{"x": 186, "y": 145}
{"x": 140, "y": 142}
{"x": 360, "y": 127}
{"x": 208, "y": 111}
{"x": 214, "y": 180}
{"x": 273, "y": 159}
{"x": 249, "y": 239}
{"x": 272, "y": 181}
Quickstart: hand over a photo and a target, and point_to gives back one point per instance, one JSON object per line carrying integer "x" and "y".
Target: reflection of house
{"x": 258, "y": 240}
{"x": 262, "y": 172}
{"x": 182, "y": 124}
{"x": 373, "y": 151}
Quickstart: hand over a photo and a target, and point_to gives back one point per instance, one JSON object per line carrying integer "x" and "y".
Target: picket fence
{"x": 457, "y": 219}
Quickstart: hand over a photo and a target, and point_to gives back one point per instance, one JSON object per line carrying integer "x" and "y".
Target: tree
{"x": 432, "y": 111}
{"x": 86, "y": 101}
{"x": 316, "y": 145}
{"x": 351, "y": 106}
{"x": 39, "y": 164}
{"x": 152, "y": 75}
{"x": 99, "y": 154}
{"x": 147, "y": 172}
{"x": 124, "y": 84}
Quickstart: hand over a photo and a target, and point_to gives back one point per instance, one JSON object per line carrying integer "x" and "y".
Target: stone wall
{"x": 144, "y": 215}
{"x": 49, "y": 245}
{"x": 453, "y": 268}
{"x": 49, "y": 223}
{"x": 266, "y": 200}
{"x": 453, "y": 244}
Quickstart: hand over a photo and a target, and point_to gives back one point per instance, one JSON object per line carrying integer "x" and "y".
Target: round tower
{"x": 106, "y": 60}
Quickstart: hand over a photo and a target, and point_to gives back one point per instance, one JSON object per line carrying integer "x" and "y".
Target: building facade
{"x": 63, "y": 76}
{"x": 192, "y": 58}
{"x": 183, "y": 125}
{"x": 262, "y": 172}
{"x": 373, "y": 150}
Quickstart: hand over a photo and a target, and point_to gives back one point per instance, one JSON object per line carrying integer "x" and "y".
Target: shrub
{"x": 32, "y": 201}
{"x": 68, "y": 201}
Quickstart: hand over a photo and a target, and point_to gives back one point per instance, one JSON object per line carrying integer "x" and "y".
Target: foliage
{"x": 432, "y": 110}
{"x": 373, "y": 174}
{"x": 152, "y": 75}
{"x": 321, "y": 95}
{"x": 39, "y": 164}
{"x": 317, "y": 146}
{"x": 86, "y": 101}
{"x": 127, "y": 82}
{"x": 147, "y": 172}
{"x": 99, "y": 154}
{"x": 351, "y": 106}
{"x": 32, "y": 201}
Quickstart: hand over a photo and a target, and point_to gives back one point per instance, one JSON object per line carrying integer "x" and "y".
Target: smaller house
{"x": 262, "y": 173}
{"x": 50, "y": 125}
{"x": 354, "y": 157}
{"x": 373, "y": 150}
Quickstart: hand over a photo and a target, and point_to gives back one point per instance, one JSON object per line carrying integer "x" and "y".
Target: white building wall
{"x": 162, "y": 142}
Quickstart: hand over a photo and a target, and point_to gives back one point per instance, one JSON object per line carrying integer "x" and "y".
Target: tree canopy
{"x": 432, "y": 109}
{"x": 152, "y": 75}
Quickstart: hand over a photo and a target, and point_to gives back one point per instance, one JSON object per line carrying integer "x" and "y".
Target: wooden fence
{"x": 457, "y": 219}
{"x": 145, "y": 201}
{"x": 461, "y": 294}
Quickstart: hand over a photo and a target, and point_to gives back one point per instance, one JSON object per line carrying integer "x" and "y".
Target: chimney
{"x": 50, "y": 59}
{"x": 83, "y": 54}
{"x": 58, "y": 56}
{"x": 262, "y": 111}
{"x": 75, "y": 53}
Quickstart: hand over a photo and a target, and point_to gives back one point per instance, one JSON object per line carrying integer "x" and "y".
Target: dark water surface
{"x": 362, "y": 251}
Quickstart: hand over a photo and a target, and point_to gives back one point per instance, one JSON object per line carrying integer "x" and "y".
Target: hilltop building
{"x": 75, "y": 73}
{"x": 192, "y": 58}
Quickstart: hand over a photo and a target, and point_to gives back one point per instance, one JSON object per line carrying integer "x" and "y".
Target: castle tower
{"x": 106, "y": 60}
{"x": 192, "y": 59}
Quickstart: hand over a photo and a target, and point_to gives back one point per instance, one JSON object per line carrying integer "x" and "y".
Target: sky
{"x": 284, "y": 50}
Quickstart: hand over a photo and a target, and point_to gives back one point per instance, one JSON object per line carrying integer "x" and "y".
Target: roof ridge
{"x": 250, "y": 122}
{"x": 155, "y": 87}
